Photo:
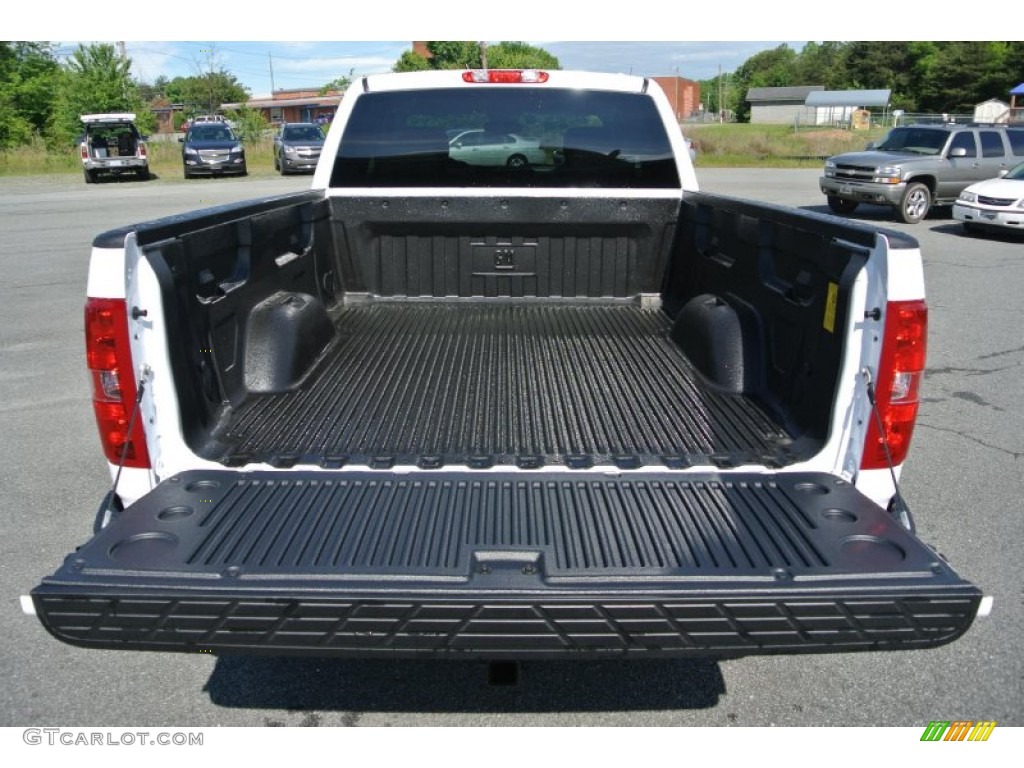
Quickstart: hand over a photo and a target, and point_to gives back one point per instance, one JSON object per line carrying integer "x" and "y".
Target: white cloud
{"x": 693, "y": 59}
{"x": 338, "y": 64}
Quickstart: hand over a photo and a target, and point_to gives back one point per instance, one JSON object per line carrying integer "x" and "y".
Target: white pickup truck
{"x": 505, "y": 409}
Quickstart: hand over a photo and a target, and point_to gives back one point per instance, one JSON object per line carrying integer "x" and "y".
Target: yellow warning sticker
{"x": 830, "y": 307}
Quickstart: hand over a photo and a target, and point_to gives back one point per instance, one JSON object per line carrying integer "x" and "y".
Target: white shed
{"x": 835, "y": 107}
{"x": 990, "y": 111}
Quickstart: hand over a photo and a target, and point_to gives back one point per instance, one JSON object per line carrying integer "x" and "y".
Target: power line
{"x": 277, "y": 55}
{"x": 159, "y": 52}
{"x": 149, "y": 62}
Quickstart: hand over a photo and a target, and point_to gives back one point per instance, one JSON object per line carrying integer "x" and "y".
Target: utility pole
{"x": 721, "y": 107}
{"x": 123, "y": 55}
{"x": 483, "y": 54}
{"x": 271, "y": 60}
{"x": 211, "y": 59}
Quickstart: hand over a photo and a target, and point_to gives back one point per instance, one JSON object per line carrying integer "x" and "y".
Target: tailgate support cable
{"x": 899, "y": 508}
{"x": 111, "y": 505}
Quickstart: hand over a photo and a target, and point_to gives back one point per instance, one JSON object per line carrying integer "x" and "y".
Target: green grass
{"x": 34, "y": 160}
{"x": 164, "y": 160}
{"x": 772, "y": 146}
{"x": 729, "y": 145}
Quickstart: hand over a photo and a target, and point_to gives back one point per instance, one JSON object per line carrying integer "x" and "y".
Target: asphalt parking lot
{"x": 962, "y": 481}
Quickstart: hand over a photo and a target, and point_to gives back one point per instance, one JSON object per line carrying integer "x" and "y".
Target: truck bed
{"x": 524, "y": 332}
{"x": 506, "y": 383}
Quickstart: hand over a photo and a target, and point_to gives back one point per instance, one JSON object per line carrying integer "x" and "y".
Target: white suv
{"x": 111, "y": 145}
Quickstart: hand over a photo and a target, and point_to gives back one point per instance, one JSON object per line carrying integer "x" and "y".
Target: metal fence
{"x": 704, "y": 116}
{"x": 810, "y": 119}
{"x": 909, "y": 118}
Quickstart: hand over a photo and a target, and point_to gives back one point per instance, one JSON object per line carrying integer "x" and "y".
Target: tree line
{"x": 924, "y": 76}
{"x": 41, "y": 97}
{"x": 452, "y": 54}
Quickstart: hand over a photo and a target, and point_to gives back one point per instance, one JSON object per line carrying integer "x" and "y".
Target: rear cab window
{"x": 505, "y": 137}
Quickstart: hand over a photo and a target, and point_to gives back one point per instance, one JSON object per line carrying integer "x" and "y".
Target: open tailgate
{"x": 504, "y": 565}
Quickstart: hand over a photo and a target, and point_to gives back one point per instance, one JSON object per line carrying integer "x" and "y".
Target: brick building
{"x": 294, "y": 105}
{"x": 683, "y": 94}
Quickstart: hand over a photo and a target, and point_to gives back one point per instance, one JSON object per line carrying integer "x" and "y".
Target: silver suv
{"x": 297, "y": 147}
{"x": 917, "y": 167}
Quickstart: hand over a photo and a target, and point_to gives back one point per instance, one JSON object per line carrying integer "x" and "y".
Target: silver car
{"x": 995, "y": 204}
{"x": 481, "y": 147}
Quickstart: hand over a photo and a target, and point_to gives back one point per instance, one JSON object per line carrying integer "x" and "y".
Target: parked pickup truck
{"x": 568, "y": 407}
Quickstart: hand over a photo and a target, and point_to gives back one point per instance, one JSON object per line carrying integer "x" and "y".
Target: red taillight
{"x": 141, "y": 150}
{"x": 85, "y": 151}
{"x": 109, "y": 358}
{"x": 505, "y": 76}
{"x": 897, "y": 390}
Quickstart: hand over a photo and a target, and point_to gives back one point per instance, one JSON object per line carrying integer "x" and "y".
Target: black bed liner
{"x": 515, "y": 384}
{"x": 505, "y": 564}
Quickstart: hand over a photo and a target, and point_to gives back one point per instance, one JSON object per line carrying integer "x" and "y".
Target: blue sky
{"x": 311, "y": 64}
{"x": 620, "y": 37}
